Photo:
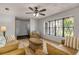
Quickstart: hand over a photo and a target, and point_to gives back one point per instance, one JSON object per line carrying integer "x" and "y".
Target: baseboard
{"x": 50, "y": 40}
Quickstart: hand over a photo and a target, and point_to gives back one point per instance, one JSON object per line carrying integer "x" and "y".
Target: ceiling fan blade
{"x": 31, "y": 8}
{"x": 42, "y": 10}
{"x": 42, "y": 14}
{"x": 28, "y": 12}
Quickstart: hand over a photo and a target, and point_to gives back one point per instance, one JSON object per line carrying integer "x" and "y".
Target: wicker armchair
{"x": 35, "y": 34}
{"x": 70, "y": 45}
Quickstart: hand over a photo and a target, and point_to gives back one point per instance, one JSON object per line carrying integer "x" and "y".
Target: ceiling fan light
{"x": 36, "y": 14}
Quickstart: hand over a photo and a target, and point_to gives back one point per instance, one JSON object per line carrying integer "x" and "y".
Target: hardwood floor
{"x": 25, "y": 43}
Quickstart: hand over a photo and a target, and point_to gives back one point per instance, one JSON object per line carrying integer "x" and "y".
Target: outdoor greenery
{"x": 62, "y": 27}
{"x": 68, "y": 26}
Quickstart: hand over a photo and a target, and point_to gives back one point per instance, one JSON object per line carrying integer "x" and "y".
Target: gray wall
{"x": 22, "y": 27}
{"x": 73, "y": 12}
{"x": 9, "y": 22}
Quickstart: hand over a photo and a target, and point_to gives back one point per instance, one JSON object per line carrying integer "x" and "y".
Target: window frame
{"x": 55, "y": 28}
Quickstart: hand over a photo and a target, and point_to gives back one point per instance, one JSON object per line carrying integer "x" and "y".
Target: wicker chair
{"x": 35, "y": 34}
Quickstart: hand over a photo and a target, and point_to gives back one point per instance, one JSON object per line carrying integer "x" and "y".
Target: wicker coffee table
{"x": 36, "y": 45}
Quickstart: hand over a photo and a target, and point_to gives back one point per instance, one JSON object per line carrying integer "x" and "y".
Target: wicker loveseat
{"x": 11, "y": 48}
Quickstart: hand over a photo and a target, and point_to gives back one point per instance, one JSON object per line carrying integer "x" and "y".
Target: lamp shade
{"x": 3, "y": 28}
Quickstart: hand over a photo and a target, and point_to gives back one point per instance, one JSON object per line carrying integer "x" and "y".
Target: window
{"x": 68, "y": 26}
{"x": 52, "y": 28}
{"x": 61, "y": 27}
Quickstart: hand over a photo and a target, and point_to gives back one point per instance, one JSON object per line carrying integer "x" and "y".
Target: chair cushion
{"x": 9, "y": 47}
{"x": 68, "y": 50}
{"x": 19, "y": 51}
{"x": 52, "y": 50}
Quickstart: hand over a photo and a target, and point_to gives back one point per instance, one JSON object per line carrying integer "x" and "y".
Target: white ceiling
{"x": 19, "y": 9}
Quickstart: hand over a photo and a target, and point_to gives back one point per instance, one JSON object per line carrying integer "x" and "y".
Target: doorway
{"x": 22, "y": 28}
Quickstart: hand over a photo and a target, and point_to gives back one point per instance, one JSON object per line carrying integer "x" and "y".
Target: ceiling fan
{"x": 36, "y": 12}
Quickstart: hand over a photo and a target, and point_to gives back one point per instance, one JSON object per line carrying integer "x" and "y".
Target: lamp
{"x": 3, "y": 29}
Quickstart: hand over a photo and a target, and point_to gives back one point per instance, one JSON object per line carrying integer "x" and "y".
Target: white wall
{"x": 33, "y": 25}
{"x": 9, "y": 22}
{"x": 73, "y": 12}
